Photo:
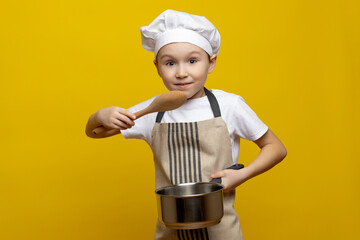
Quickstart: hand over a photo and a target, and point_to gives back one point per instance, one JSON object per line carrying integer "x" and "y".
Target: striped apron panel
{"x": 185, "y": 165}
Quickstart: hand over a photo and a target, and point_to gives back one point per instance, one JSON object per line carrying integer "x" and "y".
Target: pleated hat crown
{"x": 173, "y": 26}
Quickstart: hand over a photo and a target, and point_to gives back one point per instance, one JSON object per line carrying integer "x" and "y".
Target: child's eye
{"x": 192, "y": 61}
{"x": 170, "y": 63}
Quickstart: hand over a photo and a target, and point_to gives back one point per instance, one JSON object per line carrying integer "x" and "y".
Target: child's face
{"x": 184, "y": 67}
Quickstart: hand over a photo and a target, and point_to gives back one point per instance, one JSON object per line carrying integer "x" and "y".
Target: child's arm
{"x": 113, "y": 119}
{"x": 272, "y": 152}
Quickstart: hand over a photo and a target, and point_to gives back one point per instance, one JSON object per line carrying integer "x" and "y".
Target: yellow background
{"x": 296, "y": 63}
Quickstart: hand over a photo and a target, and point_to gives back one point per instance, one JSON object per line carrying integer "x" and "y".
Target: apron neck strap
{"x": 213, "y": 103}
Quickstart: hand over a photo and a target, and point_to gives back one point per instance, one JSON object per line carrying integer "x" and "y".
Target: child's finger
{"x": 127, "y": 113}
{"x": 116, "y": 123}
{"x": 124, "y": 119}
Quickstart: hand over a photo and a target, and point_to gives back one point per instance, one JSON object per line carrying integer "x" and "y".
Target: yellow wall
{"x": 296, "y": 63}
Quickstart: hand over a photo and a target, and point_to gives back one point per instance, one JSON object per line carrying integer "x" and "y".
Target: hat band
{"x": 182, "y": 35}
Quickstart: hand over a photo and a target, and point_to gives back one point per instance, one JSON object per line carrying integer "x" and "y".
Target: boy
{"x": 196, "y": 141}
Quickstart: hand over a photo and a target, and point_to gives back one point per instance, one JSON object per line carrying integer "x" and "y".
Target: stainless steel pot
{"x": 191, "y": 205}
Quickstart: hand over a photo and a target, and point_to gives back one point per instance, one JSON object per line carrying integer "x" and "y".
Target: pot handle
{"x": 233, "y": 167}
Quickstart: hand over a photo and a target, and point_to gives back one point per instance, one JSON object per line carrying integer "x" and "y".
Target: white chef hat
{"x": 173, "y": 26}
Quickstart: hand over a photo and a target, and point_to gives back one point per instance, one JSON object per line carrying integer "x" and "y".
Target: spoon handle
{"x": 100, "y": 129}
{"x": 141, "y": 113}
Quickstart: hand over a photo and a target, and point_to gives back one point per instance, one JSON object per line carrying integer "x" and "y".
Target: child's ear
{"x": 212, "y": 63}
{"x": 157, "y": 67}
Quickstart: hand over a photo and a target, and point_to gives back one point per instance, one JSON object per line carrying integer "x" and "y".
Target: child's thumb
{"x": 218, "y": 174}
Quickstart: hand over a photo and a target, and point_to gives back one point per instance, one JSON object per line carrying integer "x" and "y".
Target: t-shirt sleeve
{"x": 143, "y": 126}
{"x": 247, "y": 124}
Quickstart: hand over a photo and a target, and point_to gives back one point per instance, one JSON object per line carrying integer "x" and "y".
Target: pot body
{"x": 190, "y": 205}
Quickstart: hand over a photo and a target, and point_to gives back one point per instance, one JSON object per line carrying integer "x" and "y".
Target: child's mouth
{"x": 183, "y": 85}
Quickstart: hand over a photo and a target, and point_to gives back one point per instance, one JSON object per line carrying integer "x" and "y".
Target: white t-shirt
{"x": 241, "y": 120}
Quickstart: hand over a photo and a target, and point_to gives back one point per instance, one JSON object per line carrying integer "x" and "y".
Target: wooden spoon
{"x": 164, "y": 102}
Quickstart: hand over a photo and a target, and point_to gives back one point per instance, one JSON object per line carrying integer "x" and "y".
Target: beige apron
{"x": 191, "y": 152}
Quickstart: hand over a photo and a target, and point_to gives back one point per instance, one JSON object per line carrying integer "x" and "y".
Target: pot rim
{"x": 221, "y": 187}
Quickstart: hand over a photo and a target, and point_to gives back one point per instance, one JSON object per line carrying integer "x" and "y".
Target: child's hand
{"x": 115, "y": 118}
{"x": 231, "y": 178}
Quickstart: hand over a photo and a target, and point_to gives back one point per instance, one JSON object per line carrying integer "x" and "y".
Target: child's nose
{"x": 181, "y": 71}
